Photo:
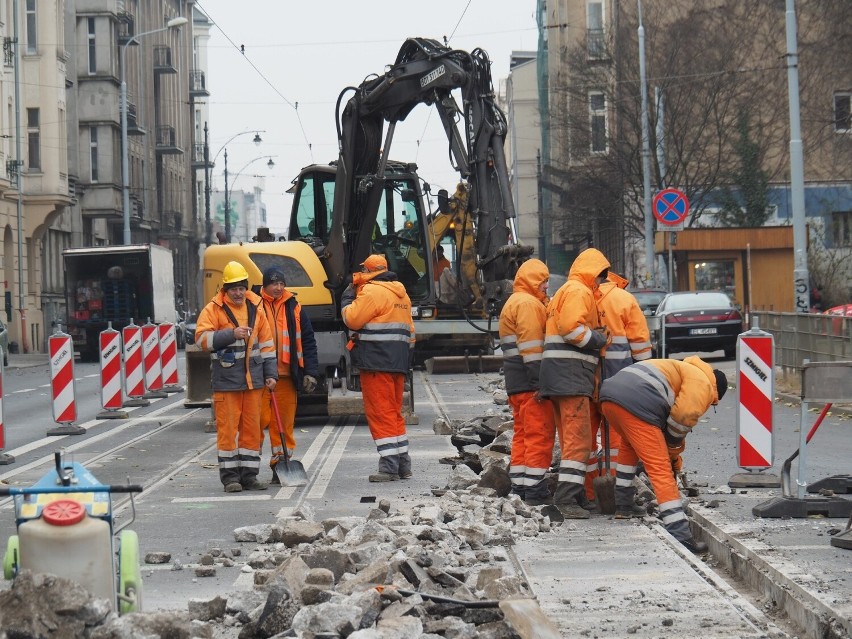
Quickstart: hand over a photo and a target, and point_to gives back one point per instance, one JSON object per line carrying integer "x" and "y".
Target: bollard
{"x": 755, "y": 409}
{"x": 151, "y": 361}
{"x": 133, "y": 369}
{"x": 5, "y": 458}
{"x": 62, "y": 384}
{"x": 109, "y": 342}
{"x": 168, "y": 357}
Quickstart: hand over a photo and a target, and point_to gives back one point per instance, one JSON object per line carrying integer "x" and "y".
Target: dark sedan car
{"x": 701, "y": 321}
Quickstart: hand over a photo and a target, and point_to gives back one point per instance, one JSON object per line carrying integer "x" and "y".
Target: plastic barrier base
{"x": 794, "y": 508}
{"x": 754, "y": 480}
{"x": 838, "y": 484}
{"x": 6, "y": 458}
{"x": 66, "y": 429}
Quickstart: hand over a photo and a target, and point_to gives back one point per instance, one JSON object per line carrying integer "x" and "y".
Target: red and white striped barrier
{"x": 61, "y": 350}
{"x": 168, "y": 357}
{"x": 5, "y": 458}
{"x": 109, "y": 342}
{"x": 151, "y": 361}
{"x": 134, "y": 371}
{"x": 755, "y": 393}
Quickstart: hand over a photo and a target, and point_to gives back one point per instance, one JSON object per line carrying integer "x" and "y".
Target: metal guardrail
{"x": 801, "y": 337}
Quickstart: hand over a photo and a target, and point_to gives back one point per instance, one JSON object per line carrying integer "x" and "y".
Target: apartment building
{"x": 718, "y": 116}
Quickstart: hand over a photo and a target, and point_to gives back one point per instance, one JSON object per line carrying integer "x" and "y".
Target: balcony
{"x": 133, "y": 127}
{"x": 167, "y": 141}
{"x": 126, "y": 27}
{"x": 163, "y": 59}
{"x": 198, "y": 157}
{"x": 198, "y": 84}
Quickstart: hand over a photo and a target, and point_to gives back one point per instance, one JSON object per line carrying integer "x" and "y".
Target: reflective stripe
{"x": 638, "y": 346}
{"x": 386, "y": 326}
{"x": 533, "y": 357}
{"x": 640, "y": 357}
{"x": 574, "y": 336}
{"x": 510, "y": 352}
{"x": 554, "y": 354}
{"x": 618, "y": 339}
{"x": 616, "y": 354}
{"x": 383, "y": 337}
{"x": 650, "y": 374}
{"x": 533, "y": 343}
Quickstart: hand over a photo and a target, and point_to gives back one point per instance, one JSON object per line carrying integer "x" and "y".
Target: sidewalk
{"x": 27, "y": 360}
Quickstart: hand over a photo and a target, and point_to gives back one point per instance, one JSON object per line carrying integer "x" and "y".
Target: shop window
{"x": 716, "y": 276}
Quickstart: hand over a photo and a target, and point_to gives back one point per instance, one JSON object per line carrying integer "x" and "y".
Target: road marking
{"x": 307, "y": 461}
{"x": 331, "y": 462}
{"x": 186, "y": 500}
{"x": 24, "y": 390}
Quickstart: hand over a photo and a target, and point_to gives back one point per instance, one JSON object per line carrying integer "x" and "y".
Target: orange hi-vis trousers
{"x": 286, "y": 397}
{"x": 596, "y": 464}
{"x": 641, "y": 440}
{"x": 382, "y": 394}
{"x": 575, "y": 439}
{"x": 238, "y": 434}
{"x": 532, "y": 444}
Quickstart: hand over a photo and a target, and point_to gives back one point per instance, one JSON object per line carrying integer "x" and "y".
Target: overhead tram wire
{"x": 294, "y": 105}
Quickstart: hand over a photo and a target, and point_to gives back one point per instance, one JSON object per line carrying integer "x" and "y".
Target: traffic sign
{"x": 670, "y": 207}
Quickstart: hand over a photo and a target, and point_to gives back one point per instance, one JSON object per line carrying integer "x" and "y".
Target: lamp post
{"x": 174, "y": 23}
{"x": 269, "y": 164}
{"x": 207, "y": 164}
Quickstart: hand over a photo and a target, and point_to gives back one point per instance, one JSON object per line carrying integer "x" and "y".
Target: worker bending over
{"x": 653, "y": 405}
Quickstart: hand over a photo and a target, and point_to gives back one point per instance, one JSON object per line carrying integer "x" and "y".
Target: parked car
{"x": 649, "y": 298}
{"x": 4, "y": 343}
{"x": 699, "y": 321}
{"x": 843, "y": 310}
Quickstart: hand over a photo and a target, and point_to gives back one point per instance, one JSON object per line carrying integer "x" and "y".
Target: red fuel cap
{"x": 63, "y": 512}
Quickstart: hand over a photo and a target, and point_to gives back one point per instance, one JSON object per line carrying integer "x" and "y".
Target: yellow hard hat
{"x": 234, "y": 272}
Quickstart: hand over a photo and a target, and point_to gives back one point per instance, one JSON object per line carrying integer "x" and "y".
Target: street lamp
{"x": 208, "y": 231}
{"x": 269, "y": 164}
{"x": 174, "y": 23}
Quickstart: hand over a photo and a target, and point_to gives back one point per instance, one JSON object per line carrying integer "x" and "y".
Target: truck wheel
{"x": 129, "y": 575}
{"x": 11, "y": 558}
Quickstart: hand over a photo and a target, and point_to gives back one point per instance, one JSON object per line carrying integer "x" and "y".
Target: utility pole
{"x": 208, "y": 225}
{"x": 646, "y": 157}
{"x": 19, "y": 165}
{"x": 801, "y": 279}
{"x": 227, "y": 203}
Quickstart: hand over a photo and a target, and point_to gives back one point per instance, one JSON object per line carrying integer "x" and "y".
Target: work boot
{"x": 628, "y": 512}
{"x": 538, "y": 500}
{"x": 405, "y": 474}
{"x": 573, "y": 511}
{"x": 383, "y": 477}
{"x": 255, "y": 484}
{"x": 233, "y": 487}
{"x": 695, "y": 547}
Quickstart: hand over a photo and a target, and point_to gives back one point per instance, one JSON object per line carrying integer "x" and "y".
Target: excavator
{"x": 365, "y": 203}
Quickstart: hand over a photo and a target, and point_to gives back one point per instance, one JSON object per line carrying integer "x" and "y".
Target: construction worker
{"x": 629, "y": 342}
{"x": 234, "y": 329}
{"x": 653, "y": 405}
{"x": 378, "y": 311}
{"x": 572, "y": 344}
{"x": 298, "y": 361}
{"x": 441, "y": 262}
{"x": 522, "y": 341}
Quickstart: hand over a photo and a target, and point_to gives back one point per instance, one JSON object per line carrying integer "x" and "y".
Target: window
{"x": 30, "y": 25}
{"x": 93, "y": 151}
{"x": 595, "y": 29}
{"x": 597, "y": 122}
{"x": 33, "y": 141}
{"x": 842, "y": 112}
{"x": 841, "y": 229}
{"x": 93, "y": 60}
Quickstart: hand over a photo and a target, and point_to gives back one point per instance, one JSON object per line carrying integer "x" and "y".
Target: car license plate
{"x": 702, "y": 331}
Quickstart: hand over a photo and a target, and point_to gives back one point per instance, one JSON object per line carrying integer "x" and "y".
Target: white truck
{"x": 115, "y": 284}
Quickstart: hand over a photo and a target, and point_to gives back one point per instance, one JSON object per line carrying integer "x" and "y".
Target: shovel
{"x": 289, "y": 471}
{"x": 604, "y": 486}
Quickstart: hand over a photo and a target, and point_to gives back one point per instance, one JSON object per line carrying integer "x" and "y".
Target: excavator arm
{"x": 426, "y": 72}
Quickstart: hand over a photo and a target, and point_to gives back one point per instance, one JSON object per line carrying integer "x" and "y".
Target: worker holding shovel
{"x": 298, "y": 361}
{"x": 629, "y": 342}
{"x": 653, "y": 405}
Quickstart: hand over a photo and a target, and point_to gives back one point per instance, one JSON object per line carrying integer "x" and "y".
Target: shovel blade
{"x": 291, "y": 473}
{"x": 604, "y": 487}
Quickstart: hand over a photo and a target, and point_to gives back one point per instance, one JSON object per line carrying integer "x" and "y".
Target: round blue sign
{"x": 670, "y": 207}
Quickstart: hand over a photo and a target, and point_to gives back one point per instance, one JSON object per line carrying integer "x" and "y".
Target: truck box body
{"x": 116, "y": 284}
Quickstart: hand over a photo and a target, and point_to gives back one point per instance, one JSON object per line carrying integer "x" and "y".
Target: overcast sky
{"x": 306, "y": 53}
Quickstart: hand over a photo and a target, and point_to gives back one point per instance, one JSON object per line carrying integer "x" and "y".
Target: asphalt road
{"x": 764, "y": 574}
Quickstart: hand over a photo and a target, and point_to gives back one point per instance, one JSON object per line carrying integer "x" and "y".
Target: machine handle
{"x": 43, "y": 490}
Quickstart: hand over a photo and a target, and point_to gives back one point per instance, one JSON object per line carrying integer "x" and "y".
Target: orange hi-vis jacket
{"x": 571, "y": 343}
{"x": 667, "y": 393}
{"x": 254, "y": 358}
{"x": 522, "y": 328}
{"x": 381, "y": 315}
{"x": 276, "y": 315}
{"x": 619, "y": 311}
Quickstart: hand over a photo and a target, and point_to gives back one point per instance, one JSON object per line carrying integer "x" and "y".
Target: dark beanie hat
{"x": 230, "y": 285}
{"x": 721, "y": 383}
{"x": 273, "y": 274}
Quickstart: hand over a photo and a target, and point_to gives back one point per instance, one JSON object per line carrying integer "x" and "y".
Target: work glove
{"x": 309, "y": 383}
{"x": 677, "y": 465}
